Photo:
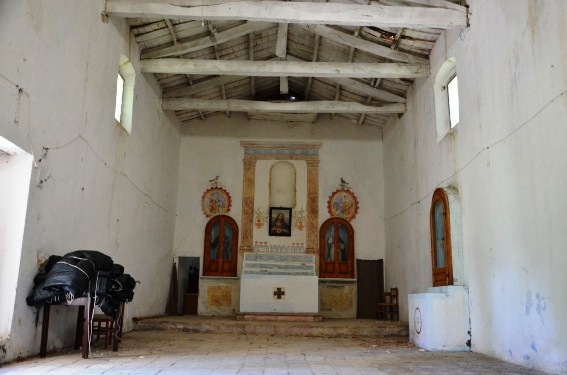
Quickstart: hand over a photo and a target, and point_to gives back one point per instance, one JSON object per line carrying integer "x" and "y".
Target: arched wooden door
{"x": 336, "y": 249}
{"x": 221, "y": 247}
{"x": 441, "y": 253}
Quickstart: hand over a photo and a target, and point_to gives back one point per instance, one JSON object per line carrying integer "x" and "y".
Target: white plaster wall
{"x": 507, "y": 159}
{"x": 102, "y": 189}
{"x": 348, "y": 151}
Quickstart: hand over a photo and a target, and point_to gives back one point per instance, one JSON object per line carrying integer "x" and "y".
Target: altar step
{"x": 279, "y": 317}
{"x": 229, "y": 325}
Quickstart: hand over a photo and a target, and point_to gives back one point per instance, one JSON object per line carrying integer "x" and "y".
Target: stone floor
{"x": 178, "y": 352}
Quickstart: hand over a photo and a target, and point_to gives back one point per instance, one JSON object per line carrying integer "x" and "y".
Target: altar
{"x": 279, "y": 283}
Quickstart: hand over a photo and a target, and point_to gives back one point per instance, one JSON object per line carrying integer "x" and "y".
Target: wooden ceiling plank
{"x": 284, "y": 68}
{"x": 201, "y": 86}
{"x": 205, "y": 42}
{"x": 438, "y": 4}
{"x": 295, "y": 12}
{"x": 364, "y": 45}
{"x": 363, "y": 89}
{"x": 238, "y": 105}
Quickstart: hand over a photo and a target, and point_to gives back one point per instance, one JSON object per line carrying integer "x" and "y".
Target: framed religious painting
{"x": 280, "y": 222}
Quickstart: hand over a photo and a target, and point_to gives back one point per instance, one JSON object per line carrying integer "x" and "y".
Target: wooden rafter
{"x": 287, "y": 68}
{"x": 295, "y": 12}
{"x": 195, "y": 45}
{"x": 237, "y": 105}
{"x": 363, "y": 45}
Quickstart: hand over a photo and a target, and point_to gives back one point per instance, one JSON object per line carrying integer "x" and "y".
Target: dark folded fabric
{"x": 82, "y": 273}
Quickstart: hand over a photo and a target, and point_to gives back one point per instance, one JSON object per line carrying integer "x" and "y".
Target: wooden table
{"x": 83, "y": 331}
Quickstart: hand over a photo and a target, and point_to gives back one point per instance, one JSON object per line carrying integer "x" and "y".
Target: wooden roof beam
{"x": 238, "y": 105}
{"x": 284, "y": 68}
{"x": 294, "y": 12}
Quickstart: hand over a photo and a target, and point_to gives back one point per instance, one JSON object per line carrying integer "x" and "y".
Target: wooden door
{"x": 441, "y": 255}
{"x": 369, "y": 286}
{"x": 221, "y": 247}
{"x": 336, "y": 254}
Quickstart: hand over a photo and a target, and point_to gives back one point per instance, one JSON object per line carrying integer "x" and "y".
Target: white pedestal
{"x": 439, "y": 319}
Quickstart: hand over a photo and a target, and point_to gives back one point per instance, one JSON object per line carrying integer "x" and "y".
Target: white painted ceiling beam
{"x": 238, "y": 105}
{"x": 294, "y": 12}
{"x": 284, "y": 68}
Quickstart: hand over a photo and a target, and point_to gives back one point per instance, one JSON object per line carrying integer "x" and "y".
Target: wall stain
{"x": 529, "y": 302}
{"x": 533, "y": 346}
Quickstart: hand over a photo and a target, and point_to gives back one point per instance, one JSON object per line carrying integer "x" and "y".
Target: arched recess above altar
{"x": 259, "y": 157}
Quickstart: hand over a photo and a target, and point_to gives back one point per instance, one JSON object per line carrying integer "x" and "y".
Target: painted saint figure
{"x": 279, "y": 226}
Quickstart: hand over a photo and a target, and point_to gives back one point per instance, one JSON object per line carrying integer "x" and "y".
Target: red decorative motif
{"x": 216, "y": 201}
{"x": 343, "y": 203}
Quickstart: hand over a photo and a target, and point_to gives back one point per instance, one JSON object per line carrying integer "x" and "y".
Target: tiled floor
{"x": 175, "y": 352}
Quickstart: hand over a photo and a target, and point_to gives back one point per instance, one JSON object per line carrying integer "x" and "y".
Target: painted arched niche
{"x": 282, "y": 184}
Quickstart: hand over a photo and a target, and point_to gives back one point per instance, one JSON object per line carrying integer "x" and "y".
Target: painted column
{"x": 249, "y": 184}
{"x": 312, "y": 206}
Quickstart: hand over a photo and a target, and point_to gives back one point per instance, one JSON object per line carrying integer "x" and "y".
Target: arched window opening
{"x": 446, "y": 90}
{"x": 125, "y": 81}
{"x": 221, "y": 247}
{"x": 336, "y": 249}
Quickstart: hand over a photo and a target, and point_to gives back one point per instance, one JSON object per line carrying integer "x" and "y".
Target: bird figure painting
{"x": 214, "y": 181}
{"x": 344, "y": 184}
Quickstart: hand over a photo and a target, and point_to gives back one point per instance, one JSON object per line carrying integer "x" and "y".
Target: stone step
{"x": 324, "y": 328}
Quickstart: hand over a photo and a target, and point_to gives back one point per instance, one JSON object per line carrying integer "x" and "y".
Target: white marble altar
{"x": 279, "y": 283}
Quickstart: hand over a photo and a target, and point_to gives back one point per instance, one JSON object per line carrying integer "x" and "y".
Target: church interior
{"x": 298, "y": 159}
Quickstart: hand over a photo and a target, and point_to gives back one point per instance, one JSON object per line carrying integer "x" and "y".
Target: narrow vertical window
{"x": 125, "y": 81}
{"x": 446, "y": 91}
{"x": 119, "y": 94}
{"x": 453, "y": 92}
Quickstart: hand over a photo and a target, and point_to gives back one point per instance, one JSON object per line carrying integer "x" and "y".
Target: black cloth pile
{"x": 82, "y": 273}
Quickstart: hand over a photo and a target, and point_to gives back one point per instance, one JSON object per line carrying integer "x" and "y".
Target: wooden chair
{"x": 389, "y": 310}
{"x": 103, "y": 325}
{"x": 110, "y": 328}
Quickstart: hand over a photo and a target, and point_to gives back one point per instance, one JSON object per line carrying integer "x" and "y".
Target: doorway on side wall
{"x": 188, "y": 285}
{"x": 15, "y": 173}
{"x": 370, "y": 287}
